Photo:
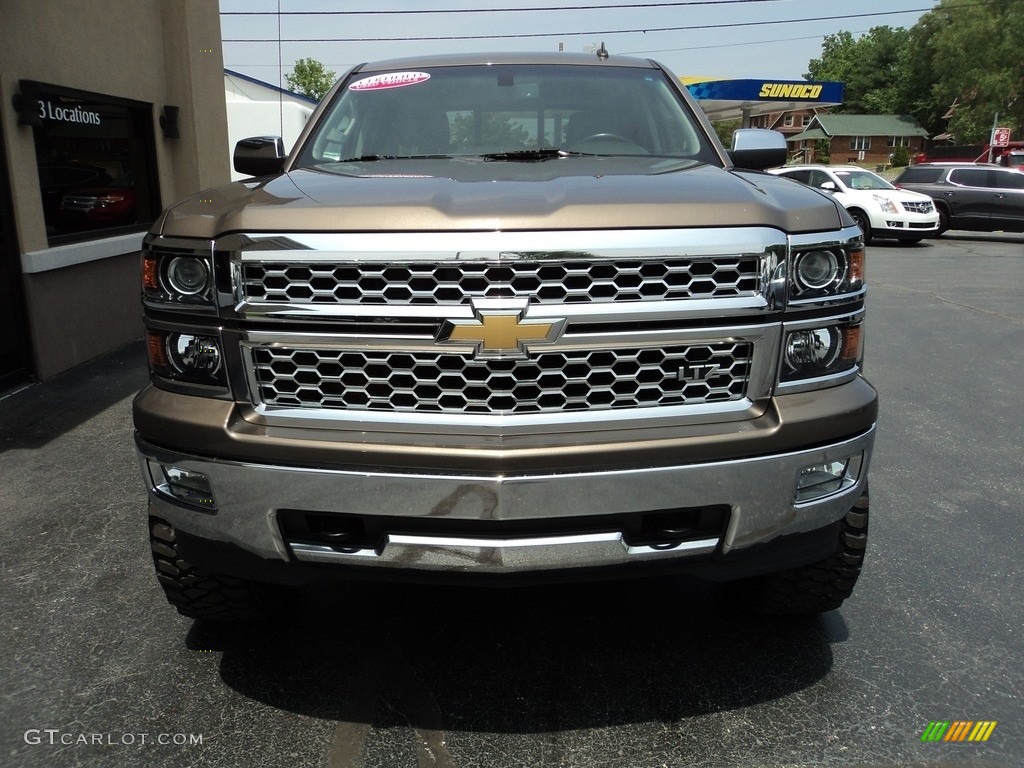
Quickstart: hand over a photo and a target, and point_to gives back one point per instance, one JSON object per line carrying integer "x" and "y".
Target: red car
{"x": 99, "y": 207}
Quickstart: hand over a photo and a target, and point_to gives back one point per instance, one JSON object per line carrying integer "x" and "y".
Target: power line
{"x": 615, "y": 6}
{"x": 745, "y": 43}
{"x": 508, "y": 36}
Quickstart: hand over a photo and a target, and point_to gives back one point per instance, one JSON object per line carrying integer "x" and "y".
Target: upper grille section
{"x": 541, "y": 282}
{"x": 925, "y": 206}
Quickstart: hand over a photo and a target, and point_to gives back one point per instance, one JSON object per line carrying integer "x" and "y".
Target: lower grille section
{"x": 659, "y": 530}
{"x": 549, "y": 382}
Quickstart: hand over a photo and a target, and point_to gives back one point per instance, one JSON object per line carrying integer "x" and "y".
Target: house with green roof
{"x": 861, "y": 139}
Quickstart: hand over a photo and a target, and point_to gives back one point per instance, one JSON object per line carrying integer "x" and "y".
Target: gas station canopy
{"x": 731, "y": 99}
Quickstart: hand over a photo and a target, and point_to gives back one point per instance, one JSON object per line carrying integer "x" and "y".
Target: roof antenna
{"x": 602, "y": 52}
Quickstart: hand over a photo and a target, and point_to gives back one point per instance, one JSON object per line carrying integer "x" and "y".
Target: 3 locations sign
{"x": 48, "y": 110}
{"x": 71, "y": 112}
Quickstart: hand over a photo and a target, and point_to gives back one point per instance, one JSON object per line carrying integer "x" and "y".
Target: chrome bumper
{"x": 759, "y": 492}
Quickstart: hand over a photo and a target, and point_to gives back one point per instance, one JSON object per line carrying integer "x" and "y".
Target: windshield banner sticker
{"x": 391, "y": 80}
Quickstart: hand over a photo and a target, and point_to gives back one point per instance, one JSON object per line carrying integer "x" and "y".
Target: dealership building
{"x": 108, "y": 113}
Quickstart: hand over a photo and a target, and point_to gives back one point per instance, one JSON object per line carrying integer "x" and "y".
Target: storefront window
{"x": 96, "y": 161}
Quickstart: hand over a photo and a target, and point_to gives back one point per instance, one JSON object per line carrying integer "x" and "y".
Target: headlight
{"x": 187, "y": 275}
{"x": 193, "y": 355}
{"x": 887, "y": 205}
{"x": 815, "y": 349}
{"x": 818, "y": 270}
{"x": 174, "y": 273}
{"x": 824, "y": 273}
{"x": 185, "y": 357}
{"x": 828, "y": 350}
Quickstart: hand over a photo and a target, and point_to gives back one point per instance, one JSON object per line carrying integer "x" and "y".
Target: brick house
{"x": 863, "y": 139}
{"x": 788, "y": 123}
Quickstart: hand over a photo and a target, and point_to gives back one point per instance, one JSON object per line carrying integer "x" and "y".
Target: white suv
{"x": 879, "y": 208}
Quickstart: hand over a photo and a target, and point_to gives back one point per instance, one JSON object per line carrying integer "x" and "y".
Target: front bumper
{"x": 758, "y": 493}
{"x": 905, "y": 226}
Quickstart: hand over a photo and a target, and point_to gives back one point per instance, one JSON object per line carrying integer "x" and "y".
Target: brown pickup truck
{"x": 506, "y": 318}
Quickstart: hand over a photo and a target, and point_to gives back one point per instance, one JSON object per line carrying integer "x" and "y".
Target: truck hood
{"x": 474, "y": 194}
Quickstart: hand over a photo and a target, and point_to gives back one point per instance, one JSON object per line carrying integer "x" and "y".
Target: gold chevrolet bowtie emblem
{"x": 500, "y": 333}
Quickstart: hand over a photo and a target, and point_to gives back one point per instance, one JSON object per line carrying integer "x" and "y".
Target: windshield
{"x": 863, "y": 180}
{"x": 506, "y": 110}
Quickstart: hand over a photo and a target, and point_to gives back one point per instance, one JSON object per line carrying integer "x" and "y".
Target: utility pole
{"x": 992, "y": 135}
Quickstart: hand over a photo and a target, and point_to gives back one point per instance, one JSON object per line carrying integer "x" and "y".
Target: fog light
{"x": 183, "y": 485}
{"x": 817, "y": 481}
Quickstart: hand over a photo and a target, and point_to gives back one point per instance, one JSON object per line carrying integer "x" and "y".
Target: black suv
{"x": 972, "y": 196}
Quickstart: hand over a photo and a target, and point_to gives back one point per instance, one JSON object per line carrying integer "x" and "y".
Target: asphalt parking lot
{"x": 97, "y": 670}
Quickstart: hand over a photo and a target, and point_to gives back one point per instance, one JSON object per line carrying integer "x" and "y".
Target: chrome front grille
{"x": 925, "y": 206}
{"x": 544, "y": 383}
{"x": 79, "y": 202}
{"x": 458, "y": 283}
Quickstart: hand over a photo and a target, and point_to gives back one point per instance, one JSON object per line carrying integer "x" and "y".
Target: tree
{"x": 492, "y": 131}
{"x": 869, "y": 66}
{"x": 310, "y": 78}
{"x": 976, "y": 53}
{"x": 963, "y": 52}
{"x": 725, "y": 130}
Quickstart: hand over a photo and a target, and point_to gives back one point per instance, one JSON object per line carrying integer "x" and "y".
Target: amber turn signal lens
{"x": 855, "y": 272}
{"x": 156, "y": 349}
{"x": 149, "y": 276}
{"x": 853, "y": 343}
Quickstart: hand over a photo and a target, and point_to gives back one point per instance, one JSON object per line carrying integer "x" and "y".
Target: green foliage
{"x": 868, "y": 65}
{"x": 495, "y": 133}
{"x": 900, "y": 157}
{"x": 823, "y": 151}
{"x": 977, "y": 54}
{"x": 725, "y": 130}
{"x": 310, "y": 78}
{"x": 968, "y": 52}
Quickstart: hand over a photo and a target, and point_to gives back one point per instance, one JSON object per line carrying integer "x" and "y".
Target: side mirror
{"x": 757, "y": 149}
{"x": 828, "y": 186}
{"x": 259, "y": 155}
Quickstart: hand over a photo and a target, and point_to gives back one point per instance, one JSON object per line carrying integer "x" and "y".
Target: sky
{"x": 770, "y": 39}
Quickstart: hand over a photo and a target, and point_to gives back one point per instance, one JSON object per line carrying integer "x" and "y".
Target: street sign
{"x": 1001, "y": 137}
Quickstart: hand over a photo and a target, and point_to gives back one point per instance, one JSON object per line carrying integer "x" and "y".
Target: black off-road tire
{"x": 820, "y": 586}
{"x": 201, "y": 595}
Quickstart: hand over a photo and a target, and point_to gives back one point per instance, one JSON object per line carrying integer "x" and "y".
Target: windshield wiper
{"x": 534, "y": 155}
{"x": 374, "y": 158}
{"x": 367, "y": 158}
